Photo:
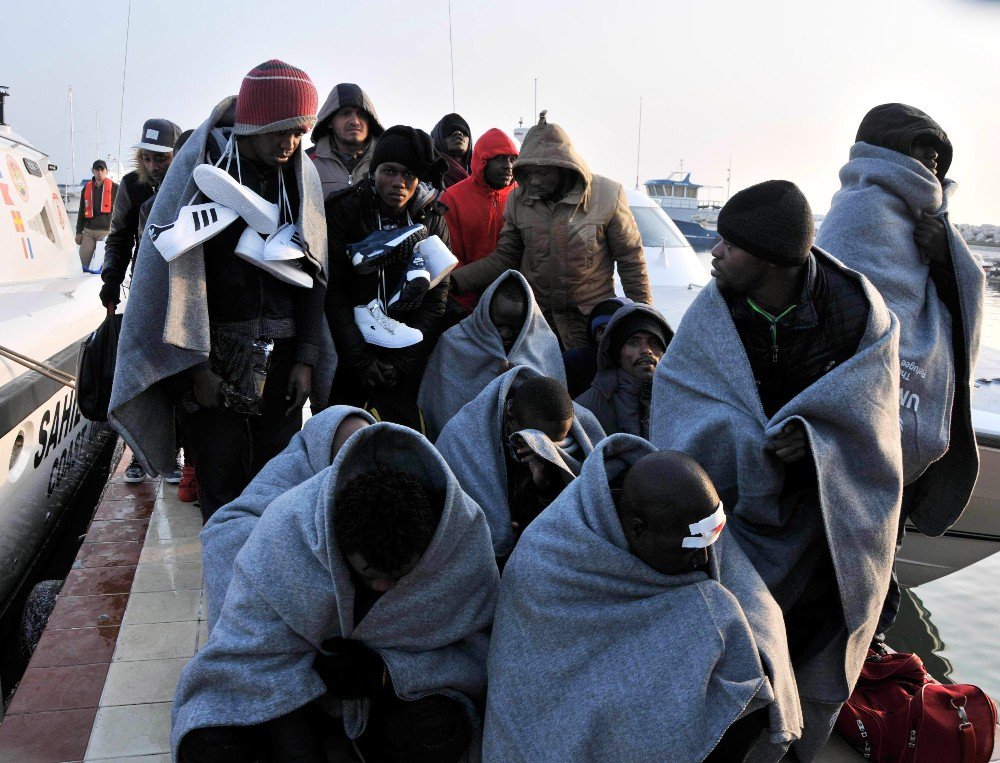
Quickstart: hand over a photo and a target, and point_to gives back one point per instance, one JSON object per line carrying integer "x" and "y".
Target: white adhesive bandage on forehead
{"x": 707, "y": 531}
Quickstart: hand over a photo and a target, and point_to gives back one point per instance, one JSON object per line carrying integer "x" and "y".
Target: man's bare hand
{"x": 790, "y": 444}
{"x": 931, "y": 238}
{"x": 538, "y": 467}
{"x": 79, "y": 239}
{"x": 299, "y": 386}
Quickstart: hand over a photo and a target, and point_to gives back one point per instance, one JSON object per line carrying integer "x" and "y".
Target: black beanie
{"x": 637, "y": 320}
{"x": 771, "y": 220}
{"x": 413, "y": 149}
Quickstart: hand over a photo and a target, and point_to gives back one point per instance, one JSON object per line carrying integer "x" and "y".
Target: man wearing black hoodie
{"x": 621, "y": 393}
{"x": 345, "y": 134}
{"x": 453, "y": 140}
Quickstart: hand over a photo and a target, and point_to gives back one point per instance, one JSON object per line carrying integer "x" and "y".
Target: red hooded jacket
{"x": 475, "y": 211}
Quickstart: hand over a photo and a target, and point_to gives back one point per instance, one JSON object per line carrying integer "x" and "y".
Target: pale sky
{"x": 780, "y": 86}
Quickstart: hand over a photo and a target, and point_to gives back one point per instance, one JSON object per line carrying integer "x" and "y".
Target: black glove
{"x": 370, "y": 375}
{"x": 218, "y": 744}
{"x": 111, "y": 291}
{"x": 350, "y": 670}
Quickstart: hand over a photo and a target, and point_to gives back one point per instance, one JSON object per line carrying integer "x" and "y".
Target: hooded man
{"x": 359, "y": 605}
{"x": 345, "y": 134}
{"x": 889, "y": 220}
{"x": 383, "y": 375}
{"x": 452, "y": 138}
{"x": 153, "y": 154}
{"x": 581, "y": 362}
{"x": 476, "y": 205}
{"x": 218, "y": 329}
{"x": 621, "y": 393}
{"x": 566, "y": 229}
{"x": 515, "y": 447}
{"x": 631, "y": 626}
{"x": 505, "y": 330}
{"x": 782, "y": 382}
{"x": 93, "y": 221}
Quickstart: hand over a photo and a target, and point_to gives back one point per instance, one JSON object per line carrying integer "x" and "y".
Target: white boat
{"x": 48, "y": 306}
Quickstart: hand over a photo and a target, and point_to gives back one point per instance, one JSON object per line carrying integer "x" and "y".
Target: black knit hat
{"x": 771, "y": 220}
{"x": 637, "y": 320}
{"x": 413, "y": 149}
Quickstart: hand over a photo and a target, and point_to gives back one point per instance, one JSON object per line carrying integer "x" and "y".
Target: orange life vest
{"x": 88, "y": 198}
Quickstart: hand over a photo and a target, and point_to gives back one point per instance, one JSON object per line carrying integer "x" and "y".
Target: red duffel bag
{"x": 899, "y": 714}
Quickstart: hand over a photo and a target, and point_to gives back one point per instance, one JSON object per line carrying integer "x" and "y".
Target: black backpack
{"x": 97, "y": 369}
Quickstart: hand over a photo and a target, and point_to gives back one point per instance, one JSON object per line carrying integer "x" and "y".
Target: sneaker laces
{"x": 384, "y": 320}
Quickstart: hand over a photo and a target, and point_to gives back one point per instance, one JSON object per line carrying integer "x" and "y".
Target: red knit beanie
{"x": 275, "y": 96}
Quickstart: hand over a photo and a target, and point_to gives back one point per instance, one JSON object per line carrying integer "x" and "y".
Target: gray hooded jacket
{"x": 329, "y": 162}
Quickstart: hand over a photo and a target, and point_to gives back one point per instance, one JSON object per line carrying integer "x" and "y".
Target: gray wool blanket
{"x": 705, "y": 403}
{"x": 291, "y": 589}
{"x": 308, "y": 453}
{"x": 165, "y": 330}
{"x": 870, "y": 228}
{"x": 595, "y": 656}
{"x": 472, "y": 444}
{"x": 468, "y": 357}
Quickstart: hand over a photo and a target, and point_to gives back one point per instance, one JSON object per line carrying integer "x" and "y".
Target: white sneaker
{"x": 286, "y": 244}
{"x": 195, "y": 224}
{"x": 220, "y": 186}
{"x": 379, "y": 329}
{"x": 251, "y": 248}
{"x": 438, "y": 259}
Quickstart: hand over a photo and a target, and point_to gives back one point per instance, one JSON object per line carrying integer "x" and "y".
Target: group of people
{"x": 530, "y": 519}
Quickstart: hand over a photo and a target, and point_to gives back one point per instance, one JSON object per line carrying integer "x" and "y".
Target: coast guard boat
{"x": 48, "y": 306}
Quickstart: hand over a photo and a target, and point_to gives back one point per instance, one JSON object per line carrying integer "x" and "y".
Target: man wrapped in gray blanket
{"x": 783, "y": 382}
{"x": 515, "y": 447}
{"x": 631, "y": 626}
{"x": 889, "y": 220}
{"x": 358, "y": 608}
{"x": 505, "y": 329}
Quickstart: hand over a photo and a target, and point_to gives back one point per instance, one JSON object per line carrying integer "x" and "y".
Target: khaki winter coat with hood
{"x": 329, "y": 162}
{"x": 566, "y": 249}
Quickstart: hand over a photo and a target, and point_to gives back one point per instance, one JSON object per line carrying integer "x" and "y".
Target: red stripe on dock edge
{"x": 52, "y": 713}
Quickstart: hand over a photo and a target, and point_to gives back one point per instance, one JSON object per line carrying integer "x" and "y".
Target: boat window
{"x": 41, "y": 224}
{"x": 692, "y": 193}
{"x": 653, "y": 228}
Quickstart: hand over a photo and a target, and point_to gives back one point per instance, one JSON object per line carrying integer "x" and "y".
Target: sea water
{"x": 953, "y": 622}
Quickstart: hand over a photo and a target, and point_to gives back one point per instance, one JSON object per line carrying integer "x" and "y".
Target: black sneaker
{"x": 385, "y": 247}
{"x": 413, "y": 287}
{"x": 134, "y": 472}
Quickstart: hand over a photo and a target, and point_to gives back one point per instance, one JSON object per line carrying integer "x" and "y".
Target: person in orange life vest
{"x": 476, "y": 205}
{"x": 93, "y": 223}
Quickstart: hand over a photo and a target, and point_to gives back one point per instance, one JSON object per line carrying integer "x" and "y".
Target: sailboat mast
{"x": 451, "y": 48}
{"x": 638, "y": 146}
{"x": 72, "y": 144}
{"x": 121, "y": 109}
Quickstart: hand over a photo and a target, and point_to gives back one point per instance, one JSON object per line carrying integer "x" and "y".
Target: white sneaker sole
{"x": 220, "y": 186}
{"x": 438, "y": 258}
